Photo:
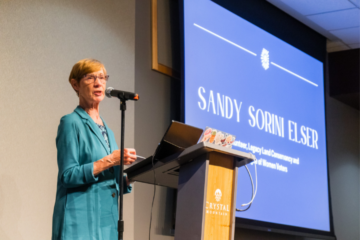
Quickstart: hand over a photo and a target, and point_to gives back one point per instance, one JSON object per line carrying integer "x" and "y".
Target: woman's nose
{"x": 97, "y": 81}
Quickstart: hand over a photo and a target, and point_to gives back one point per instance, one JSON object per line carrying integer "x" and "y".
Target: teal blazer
{"x": 86, "y": 206}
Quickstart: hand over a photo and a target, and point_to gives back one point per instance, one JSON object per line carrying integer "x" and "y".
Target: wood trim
{"x": 154, "y": 38}
{"x": 155, "y": 65}
{"x": 202, "y": 237}
{"x": 233, "y": 211}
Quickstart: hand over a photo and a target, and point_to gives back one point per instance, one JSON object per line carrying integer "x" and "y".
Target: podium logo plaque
{"x": 218, "y": 195}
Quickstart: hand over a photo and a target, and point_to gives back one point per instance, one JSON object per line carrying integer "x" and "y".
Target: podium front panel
{"x": 219, "y": 197}
{"x": 206, "y": 198}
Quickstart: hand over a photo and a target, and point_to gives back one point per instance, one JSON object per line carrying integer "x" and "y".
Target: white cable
{"x": 252, "y": 182}
{"x": 253, "y": 197}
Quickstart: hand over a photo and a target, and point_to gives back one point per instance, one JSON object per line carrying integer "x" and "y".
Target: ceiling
{"x": 337, "y": 20}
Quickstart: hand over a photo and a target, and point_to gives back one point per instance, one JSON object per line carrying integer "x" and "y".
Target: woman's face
{"x": 90, "y": 91}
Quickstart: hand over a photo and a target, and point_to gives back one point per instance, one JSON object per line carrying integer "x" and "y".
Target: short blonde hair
{"x": 85, "y": 66}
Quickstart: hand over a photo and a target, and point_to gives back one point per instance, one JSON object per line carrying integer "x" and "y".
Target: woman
{"x": 86, "y": 204}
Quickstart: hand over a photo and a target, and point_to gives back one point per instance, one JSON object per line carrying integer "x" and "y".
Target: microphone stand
{"x": 121, "y": 173}
{"x": 123, "y": 97}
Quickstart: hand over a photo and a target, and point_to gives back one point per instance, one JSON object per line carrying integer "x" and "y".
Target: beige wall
{"x": 152, "y": 117}
{"x": 40, "y": 40}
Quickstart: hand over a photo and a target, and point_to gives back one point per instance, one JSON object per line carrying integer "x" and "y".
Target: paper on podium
{"x": 138, "y": 159}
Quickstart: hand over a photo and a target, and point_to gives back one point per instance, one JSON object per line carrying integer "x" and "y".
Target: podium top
{"x": 167, "y": 169}
{"x": 205, "y": 147}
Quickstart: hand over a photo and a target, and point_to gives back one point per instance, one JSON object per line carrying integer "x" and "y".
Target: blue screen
{"x": 242, "y": 80}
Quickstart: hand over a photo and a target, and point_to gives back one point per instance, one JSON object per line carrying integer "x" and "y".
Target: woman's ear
{"x": 75, "y": 85}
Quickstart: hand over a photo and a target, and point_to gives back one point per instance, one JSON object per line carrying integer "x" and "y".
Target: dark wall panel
{"x": 271, "y": 19}
{"x": 344, "y": 76}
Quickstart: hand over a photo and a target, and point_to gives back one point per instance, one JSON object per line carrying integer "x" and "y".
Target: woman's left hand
{"x": 114, "y": 160}
{"x": 129, "y": 156}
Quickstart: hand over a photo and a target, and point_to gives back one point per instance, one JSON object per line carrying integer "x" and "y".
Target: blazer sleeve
{"x": 126, "y": 188}
{"x": 71, "y": 173}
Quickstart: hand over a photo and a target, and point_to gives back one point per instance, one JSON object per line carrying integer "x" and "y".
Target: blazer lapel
{"x": 112, "y": 143}
{"x": 93, "y": 127}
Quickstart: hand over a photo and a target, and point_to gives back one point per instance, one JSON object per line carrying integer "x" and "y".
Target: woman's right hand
{"x": 129, "y": 156}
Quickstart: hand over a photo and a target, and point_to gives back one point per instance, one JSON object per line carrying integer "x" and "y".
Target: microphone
{"x": 122, "y": 95}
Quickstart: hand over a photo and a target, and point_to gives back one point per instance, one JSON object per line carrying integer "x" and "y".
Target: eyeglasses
{"x": 91, "y": 78}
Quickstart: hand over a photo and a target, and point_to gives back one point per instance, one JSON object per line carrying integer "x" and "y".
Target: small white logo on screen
{"x": 218, "y": 195}
{"x": 265, "y": 58}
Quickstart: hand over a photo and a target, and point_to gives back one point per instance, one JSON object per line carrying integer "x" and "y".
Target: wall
{"x": 344, "y": 165}
{"x": 343, "y": 150}
{"x": 153, "y": 114}
{"x": 40, "y": 42}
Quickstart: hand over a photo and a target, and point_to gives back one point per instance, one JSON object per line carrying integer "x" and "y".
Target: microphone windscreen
{"x": 108, "y": 91}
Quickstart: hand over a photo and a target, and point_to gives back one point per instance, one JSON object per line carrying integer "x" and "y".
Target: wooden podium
{"x": 206, "y": 177}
